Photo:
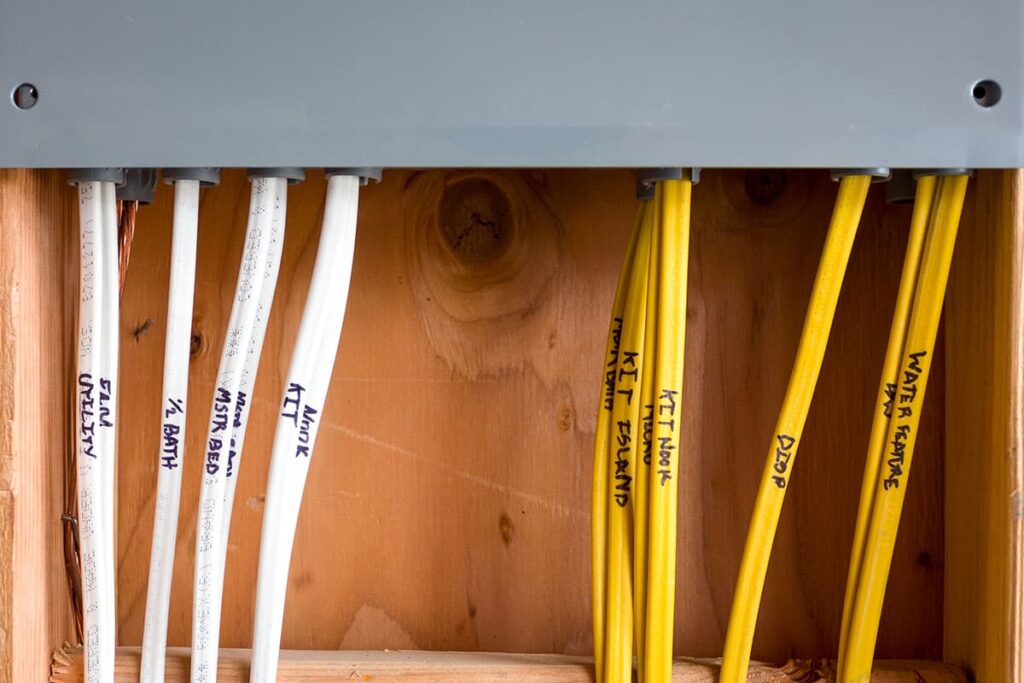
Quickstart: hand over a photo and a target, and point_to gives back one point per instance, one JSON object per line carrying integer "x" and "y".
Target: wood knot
{"x": 755, "y": 199}
{"x": 765, "y": 186}
{"x": 565, "y": 419}
{"x": 506, "y": 527}
{"x": 196, "y": 343}
{"x": 483, "y": 250}
{"x": 476, "y": 222}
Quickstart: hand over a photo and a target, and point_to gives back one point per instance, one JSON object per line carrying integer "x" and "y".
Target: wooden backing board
{"x": 984, "y": 606}
{"x": 481, "y": 667}
{"x": 35, "y": 231}
{"x": 448, "y": 500}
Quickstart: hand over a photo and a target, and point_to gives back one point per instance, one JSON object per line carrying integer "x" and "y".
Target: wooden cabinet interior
{"x": 448, "y": 503}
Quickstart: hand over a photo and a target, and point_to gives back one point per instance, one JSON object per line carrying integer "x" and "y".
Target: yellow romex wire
{"x": 887, "y": 391}
{"x": 673, "y": 200}
{"x": 599, "y": 490}
{"x": 622, "y": 450}
{"x": 786, "y": 438}
{"x": 642, "y": 468}
{"x": 901, "y": 436}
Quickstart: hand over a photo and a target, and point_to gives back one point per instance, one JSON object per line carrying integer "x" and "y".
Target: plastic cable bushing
{"x": 921, "y": 172}
{"x": 901, "y": 187}
{"x": 365, "y": 173}
{"x": 96, "y": 175}
{"x": 207, "y": 176}
{"x": 649, "y": 176}
{"x": 292, "y": 173}
{"x": 878, "y": 174}
{"x": 139, "y": 186}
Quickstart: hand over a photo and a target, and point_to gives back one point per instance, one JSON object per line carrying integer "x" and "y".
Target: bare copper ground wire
{"x": 126, "y": 212}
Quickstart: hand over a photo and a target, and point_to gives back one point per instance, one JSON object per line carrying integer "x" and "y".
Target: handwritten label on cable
{"x": 647, "y": 433}
{"x": 106, "y": 416}
{"x": 170, "y": 451}
{"x": 302, "y": 415}
{"x": 219, "y": 423}
{"x": 87, "y": 414}
{"x": 906, "y": 401}
{"x": 783, "y": 453}
{"x": 611, "y": 364}
{"x": 890, "y": 399}
{"x": 668, "y": 406}
{"x": 236, "y": 423}
{"x": 625, "y": 382}
{"x": 94, "y": 410}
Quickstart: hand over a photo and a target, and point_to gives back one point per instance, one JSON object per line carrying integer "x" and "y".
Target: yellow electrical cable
{"x": 901, "y": 435}
{"x": 622, "y": 449}
{"x": 785, "y": 441}
{"x": 599, "y": 490}
{"x": 673, "y": 201}
{"x": 886, "y": 391}
{"x": 641, "y": 481}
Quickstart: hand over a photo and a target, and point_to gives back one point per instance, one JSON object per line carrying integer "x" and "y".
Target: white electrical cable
{"x": 172, "y": 440}
{"x": 108, "y": 392}
{"x": 266, "y": 218}
{"x": 305, "y": 391}
{"x": 96, "y": 435}
{"x": 252, "y": 362}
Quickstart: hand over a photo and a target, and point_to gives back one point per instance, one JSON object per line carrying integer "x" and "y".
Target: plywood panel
{"x": 985, "y": 409}
{"x": 462, "y": 667}
{"x": 35, "y": 224}
{"x": 448, "y": 501}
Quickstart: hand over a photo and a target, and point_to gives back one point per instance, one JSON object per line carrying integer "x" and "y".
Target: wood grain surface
{"x": 36, "y": 237}
{"x": 447, "y": 505}
{"x": 984, "y": 604}
{"x": 483, "y": 667}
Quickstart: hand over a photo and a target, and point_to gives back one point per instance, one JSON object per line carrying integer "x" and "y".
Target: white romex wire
{"x": 266, "y": 213}
{"x": 305, "y": 391}
{"x": 96, "y": 436}
{"x": 172, "y": 441}
{"x": 109, "y": 358}
{"x": 252, "y": 362}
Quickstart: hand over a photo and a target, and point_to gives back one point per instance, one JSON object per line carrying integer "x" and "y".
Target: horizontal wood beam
{"x": 394, "y": 666}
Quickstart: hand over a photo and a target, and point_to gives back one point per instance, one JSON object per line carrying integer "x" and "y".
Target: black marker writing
{"x": 623, "y": 480}
{"x": 647, "y": 432}
{"x": 302, "y": 415}
{"x": 221, "y": 408}
{"x": 171, "y": 434}
{"x": 87, "y": 414}
{"x": 628, "y": 374}
{"x": 783, "y": 453}
{"x": 890, "y": 398}
{"x": 907, "y": 398}
{"x": 106, "y": 415}
{"x": 668, "y": 406}
{"x": 611, "y": 364}
{"x": 235, "y": 424}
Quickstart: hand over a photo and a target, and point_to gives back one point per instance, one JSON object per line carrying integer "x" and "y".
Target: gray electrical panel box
{"x": 913, "y": 83}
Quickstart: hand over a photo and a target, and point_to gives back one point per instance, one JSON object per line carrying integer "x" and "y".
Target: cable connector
{"x": 206, "y": 175}
{"x": 880, "y": 174}
{"x": 901, "y": 188}
{"x": 292, "y": 174}
{"x": 365, "y": 173}
{"x": 969, "y": 172}
{"x": 96, "y": 175}
{"x": 647, "y": 177}
{"x": 139, "y": 186}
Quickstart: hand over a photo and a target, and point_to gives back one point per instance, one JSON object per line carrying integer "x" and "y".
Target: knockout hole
{"x": 986, "y": 93}
{"x": 25, "y": 96}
